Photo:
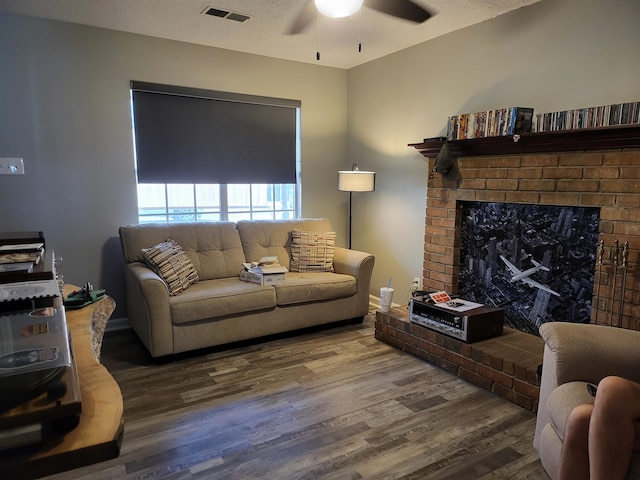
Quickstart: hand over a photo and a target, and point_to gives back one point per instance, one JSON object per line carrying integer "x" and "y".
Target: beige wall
{"x": 554, "y": 55}
{"x": 64, "y": 108}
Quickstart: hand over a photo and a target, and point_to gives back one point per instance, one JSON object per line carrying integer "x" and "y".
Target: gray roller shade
{"x": 186, "y": 135}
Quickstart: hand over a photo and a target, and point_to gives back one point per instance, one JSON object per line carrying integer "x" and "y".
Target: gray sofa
{"x": 220, "y": 308}
{"x": 575, "y": 354}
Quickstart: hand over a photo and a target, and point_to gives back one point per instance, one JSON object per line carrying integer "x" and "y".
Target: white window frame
{"x": 167, "y": 213}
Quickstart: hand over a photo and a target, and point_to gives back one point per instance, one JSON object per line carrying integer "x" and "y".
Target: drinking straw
{"x": 389, "y": 284}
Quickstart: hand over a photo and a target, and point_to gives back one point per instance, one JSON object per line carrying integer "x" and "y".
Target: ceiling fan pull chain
{"x": 360, "y": 31}
{"x": 318, "y": 50}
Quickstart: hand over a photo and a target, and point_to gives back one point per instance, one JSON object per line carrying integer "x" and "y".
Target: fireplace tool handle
{"x": 616, "y": 252}
{"x": 600, "y": 255}
{"x": 623, "y": 286}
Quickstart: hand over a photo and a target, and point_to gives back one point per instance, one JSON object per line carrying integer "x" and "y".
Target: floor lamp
{"x": 355, "y": 180}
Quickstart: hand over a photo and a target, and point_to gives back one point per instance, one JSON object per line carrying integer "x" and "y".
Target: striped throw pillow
{"x": 312, "y": 251}
{"x": 172, "y": 264}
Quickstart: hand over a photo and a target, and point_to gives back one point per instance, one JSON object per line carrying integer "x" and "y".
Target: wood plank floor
{"x": 331, "y": 404}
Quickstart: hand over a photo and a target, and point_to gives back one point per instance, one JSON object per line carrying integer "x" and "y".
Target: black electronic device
{"x": 12, "y": 238}
{"x": 28, "y": 277}
{"x": 34, "y": 350}
{"x": 463, "y": 320}
{"x": 39, "y": 385}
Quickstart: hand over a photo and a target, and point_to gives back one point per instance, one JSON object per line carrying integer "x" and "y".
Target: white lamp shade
{"x": 356, "y": 181}
{"x": 338, "y": 8}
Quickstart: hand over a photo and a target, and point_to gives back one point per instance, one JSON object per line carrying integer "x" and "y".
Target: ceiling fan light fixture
{"x": 338, "y": 8}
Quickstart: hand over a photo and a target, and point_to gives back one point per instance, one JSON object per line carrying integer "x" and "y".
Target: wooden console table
{"x": 99, "y": 433}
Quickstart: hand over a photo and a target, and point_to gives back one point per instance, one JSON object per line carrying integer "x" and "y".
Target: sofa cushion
{"x": 220, "y": 298}
{"x": 313, "y": 287}
{"x": 562, "y": 400}
{"x": 265, "y": 238}
{"x": 312, "y": 251}
{"x": 213, "y": 247}
{"x": 172, "y": 264}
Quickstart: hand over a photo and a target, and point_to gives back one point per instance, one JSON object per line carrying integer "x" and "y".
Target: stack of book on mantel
{"x": 490, "y": 123}
{"x": 267, "y": 271}
{"x": 591, "y": 117}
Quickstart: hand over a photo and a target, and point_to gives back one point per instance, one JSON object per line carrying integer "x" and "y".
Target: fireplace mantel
{"x": 586, "y": 139}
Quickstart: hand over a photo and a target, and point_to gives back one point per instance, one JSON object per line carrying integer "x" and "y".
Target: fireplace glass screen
{"x": 536, "y": 262}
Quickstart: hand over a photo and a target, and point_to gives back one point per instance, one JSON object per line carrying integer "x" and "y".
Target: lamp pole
{"x": 350, "y": 194}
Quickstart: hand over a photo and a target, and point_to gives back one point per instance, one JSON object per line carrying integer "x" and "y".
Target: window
{"x": 214, "y": 202}
{"x": 204, "y": 156}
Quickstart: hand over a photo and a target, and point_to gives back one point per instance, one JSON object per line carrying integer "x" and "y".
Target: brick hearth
{"x": 505, "y": 365}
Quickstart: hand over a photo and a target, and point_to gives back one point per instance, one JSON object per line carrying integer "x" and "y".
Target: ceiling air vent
{"x": 216, "y": 12}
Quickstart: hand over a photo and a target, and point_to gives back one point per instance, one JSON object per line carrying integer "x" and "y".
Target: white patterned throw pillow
{"x": 312, "y": 251}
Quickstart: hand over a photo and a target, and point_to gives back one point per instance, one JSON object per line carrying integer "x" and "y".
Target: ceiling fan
{"x": 405, "y": 9}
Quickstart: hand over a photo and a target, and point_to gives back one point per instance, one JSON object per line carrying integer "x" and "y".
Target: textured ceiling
{"x": 263, "y": 34}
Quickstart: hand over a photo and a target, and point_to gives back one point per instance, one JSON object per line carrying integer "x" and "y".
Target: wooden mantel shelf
{"x": 563, "y": 141}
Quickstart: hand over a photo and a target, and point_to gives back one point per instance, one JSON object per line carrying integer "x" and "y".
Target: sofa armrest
{"x": 359, "y": 265}
{"x": 148, "y": 308}
{"x": 352, "y": 262}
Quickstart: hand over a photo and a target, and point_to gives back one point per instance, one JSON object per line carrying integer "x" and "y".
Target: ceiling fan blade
{"x": 305, "y": 16}
{"x": 405, "y": 9}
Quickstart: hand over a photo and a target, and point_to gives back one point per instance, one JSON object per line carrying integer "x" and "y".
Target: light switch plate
{"x": 11, "y": 166}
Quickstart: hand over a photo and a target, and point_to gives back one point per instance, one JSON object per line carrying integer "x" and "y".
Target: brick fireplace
{"x": 609, "y": 179}
{"x": 580, "y": 168}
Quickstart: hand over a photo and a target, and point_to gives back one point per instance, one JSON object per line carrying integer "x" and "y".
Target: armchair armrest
{"x": 583, "y": 352}
{"x": 148, "y": 308}
{"x": 589, "y": 352}
{"x": 359, "y": 265}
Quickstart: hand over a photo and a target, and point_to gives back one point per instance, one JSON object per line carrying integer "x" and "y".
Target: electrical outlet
{"x": 417, "y": 282}
{"x": 11, "y": 166}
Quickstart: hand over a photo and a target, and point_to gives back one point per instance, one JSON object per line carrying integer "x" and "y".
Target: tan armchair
{"x": 574, "y": 355}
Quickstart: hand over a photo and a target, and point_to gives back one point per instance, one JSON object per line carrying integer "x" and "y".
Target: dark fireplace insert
{"x": 537, "y": 262}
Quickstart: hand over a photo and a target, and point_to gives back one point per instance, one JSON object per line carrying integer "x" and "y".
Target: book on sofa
{"x": 267, "y": 271}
